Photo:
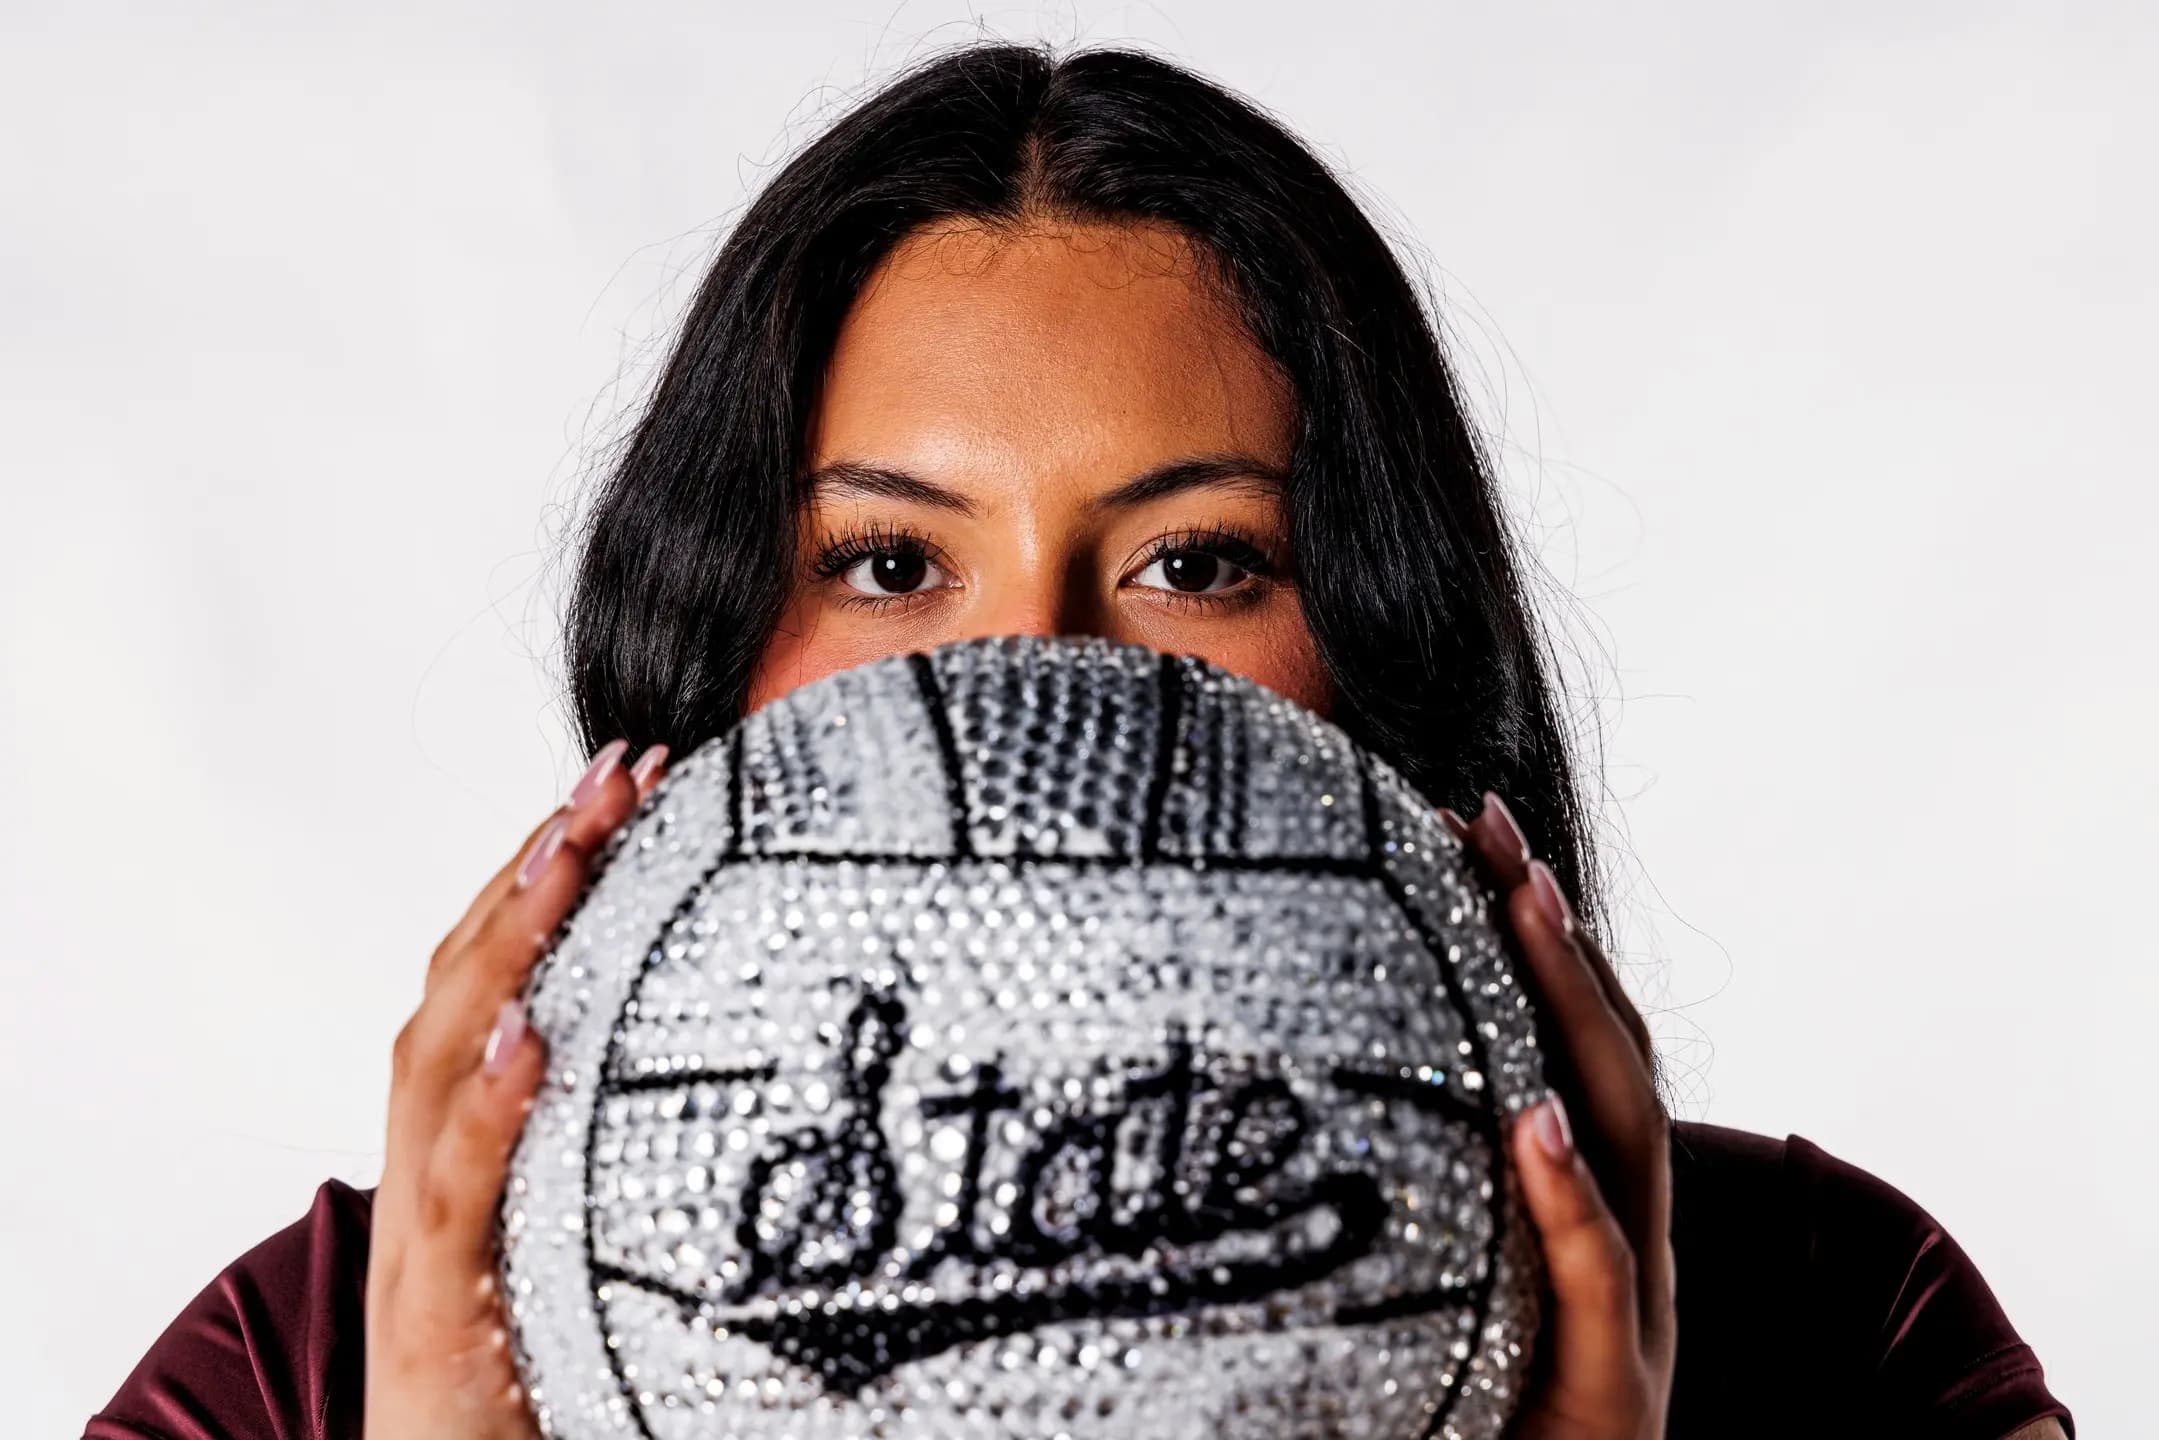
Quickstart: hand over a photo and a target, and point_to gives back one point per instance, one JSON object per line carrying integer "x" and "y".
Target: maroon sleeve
{"x": 270, "y": 1349}
{"x": 1815, "y": 1299}
{"x": 1918, "y": 1321}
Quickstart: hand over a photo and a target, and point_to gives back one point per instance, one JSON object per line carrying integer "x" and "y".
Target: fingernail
{"x": 595, "y": 776}
{"x": 653, "y": 758}
{"x": 1454, "y": 822}
{"x": 543, "y": 850}
{"x": 1507, "y": 826}
{"x": 1550, "y": 898}
{"x": 1549, "y": 1121}
{"x": 502, "y": 1040}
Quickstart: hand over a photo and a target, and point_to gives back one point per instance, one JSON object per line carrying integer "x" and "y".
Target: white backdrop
{"x": 1819, "y": 338}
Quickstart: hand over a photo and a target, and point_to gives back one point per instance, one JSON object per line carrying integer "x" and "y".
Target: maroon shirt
{"x": 1814, "y": 1299}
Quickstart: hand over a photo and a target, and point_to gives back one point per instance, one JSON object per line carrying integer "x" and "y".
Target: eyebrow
{"x": 1220, "y": 471}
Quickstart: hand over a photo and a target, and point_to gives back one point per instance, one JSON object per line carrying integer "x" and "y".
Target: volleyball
{"x": 1029, "y": 1038}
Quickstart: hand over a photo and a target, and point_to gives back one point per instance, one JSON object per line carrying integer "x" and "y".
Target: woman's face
{"x": 1057, "y": 433}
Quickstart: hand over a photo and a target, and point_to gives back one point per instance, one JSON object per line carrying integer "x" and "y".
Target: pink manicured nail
{"x": 502, "y": 1040}
{"x": 595, "y": 776}
{"x": 1454, "y": 822}
{"x": 1507, "y": 825}
{"x": 1554, "y": 1135}
{"x": 543, "y": 850}
{"x": 653, "y": 758}
{"x": 1550, "y": 898}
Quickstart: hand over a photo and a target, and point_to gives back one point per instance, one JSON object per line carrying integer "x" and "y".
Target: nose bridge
{"x": 1047, "y": 592}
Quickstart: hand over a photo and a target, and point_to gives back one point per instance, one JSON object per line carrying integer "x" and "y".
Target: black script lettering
{"x": 1081, "y": 1143}
{"x": 989, "y": 1098}
{"x": 1161, "y": 1211}
{"x": 843, "y": 1163}
{"x": 1242, "y": 1164}
{"x": 820, "y": 1237}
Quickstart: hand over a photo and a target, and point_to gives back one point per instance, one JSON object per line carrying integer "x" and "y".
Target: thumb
{"x": 1596, "y": 1374}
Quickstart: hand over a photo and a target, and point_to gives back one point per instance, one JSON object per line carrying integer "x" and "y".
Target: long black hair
{"x": 1407, "y": 569}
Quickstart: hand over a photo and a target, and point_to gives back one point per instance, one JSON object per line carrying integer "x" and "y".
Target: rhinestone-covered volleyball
{"x": 1034, "y": 1038}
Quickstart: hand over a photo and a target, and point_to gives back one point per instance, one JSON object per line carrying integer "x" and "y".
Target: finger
{"x": 648, "y": 770}
{"x": 1603, "y": 1074}
{"x": 1496, "y": 841}
{"x": 1626, "y": 1127}
{"x": 504, "y": 880}
{"x": 490, "y": 894}
{"x": 440, "y": 1042}
{"x": 445, "y": 1291}
{"x": 1544, "y": 885}
{"x": 543, "y": 889}
{"x": 1657, "y": 1265}
{"x": 471, "y": 1155}
{"x": 1615, "y": 995}
{"x": 1500, "y": 843}
{"x": 1599, "y": 1049}
{"x": 1593, "y": 1334}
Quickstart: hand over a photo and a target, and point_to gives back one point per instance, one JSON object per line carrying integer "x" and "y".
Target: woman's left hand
{"x": 1602, "y": 1202}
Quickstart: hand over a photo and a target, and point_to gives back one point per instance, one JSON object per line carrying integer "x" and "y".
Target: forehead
{"x": 1058, "y": 350}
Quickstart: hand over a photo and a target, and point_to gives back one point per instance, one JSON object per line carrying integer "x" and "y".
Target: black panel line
{"x": 1169, "y": 685}
{"x": 948, "y": 753}
{"x": 610, "y": 1060}
{"x": 1373, "y": 866}
{"x": 683, "y": 1079}
{"x": 1481, "y": 1290}
{"x": 1026, "y": 860}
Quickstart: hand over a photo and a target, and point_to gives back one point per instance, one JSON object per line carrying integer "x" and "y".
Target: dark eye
{"x": 1191, "y": 572}
{"x": 893, "y": 572}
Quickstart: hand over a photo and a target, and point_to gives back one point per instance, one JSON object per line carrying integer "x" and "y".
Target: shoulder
{"x": 1794, "y": 1263}
{"x": 1804, "y": 1206}
{"x": 271, "y": 1346}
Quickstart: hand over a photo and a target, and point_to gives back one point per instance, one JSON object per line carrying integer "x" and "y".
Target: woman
{"x": 1090, "y": 346}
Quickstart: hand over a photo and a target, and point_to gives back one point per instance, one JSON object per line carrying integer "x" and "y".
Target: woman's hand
{"x": 462, "y": 1078}
{"x": 1601, "y": 1198}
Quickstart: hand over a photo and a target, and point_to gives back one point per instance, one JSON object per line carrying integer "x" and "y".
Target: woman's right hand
{"x": 462, "y": 1078}
{"x": 1601, "y": 1203}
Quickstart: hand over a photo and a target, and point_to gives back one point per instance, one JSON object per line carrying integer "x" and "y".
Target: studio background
{"x": 1815, "y": 340}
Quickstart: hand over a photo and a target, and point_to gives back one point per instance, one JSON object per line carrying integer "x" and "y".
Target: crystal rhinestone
{"x": 1034, "y": 1037}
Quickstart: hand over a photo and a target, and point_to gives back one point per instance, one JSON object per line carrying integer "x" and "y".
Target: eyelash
{"x": 845, "y": 551}
{"x": 1222, "y": 542}
{"x": 849, "y": 549}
